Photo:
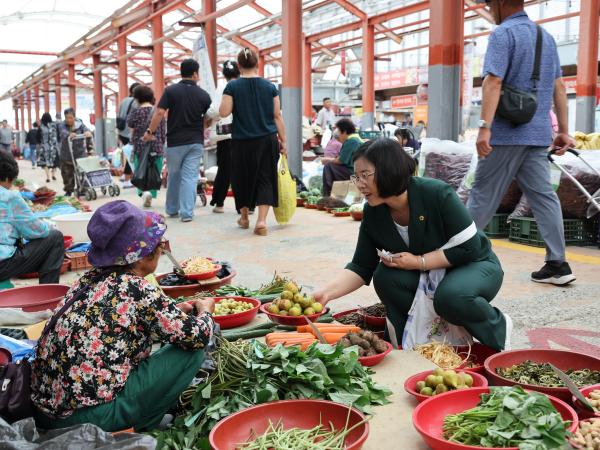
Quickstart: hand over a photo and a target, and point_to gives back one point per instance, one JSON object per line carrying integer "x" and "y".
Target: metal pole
{"x": 22, "y": 106}
{"x": 210, "y": 34}
{"x": 368, "y": 76}
{"x": 58, "y": 94}
{"x": 28, "y": 110}
{"x": 446, "y": 39}
{"x": 291, "y": 94}
{"x": 98, "y": 107}
{"x": 307, "y": 79}
{"x": 261, "y": 65}
{"x": 72, "y": 87}
{"x": 16, "y": 108}
{"x": 158, "y": 73}
{"x": 46, "y": 91}
{"x": 36, "y": 102}
{"x": 587, "y": 66}
{"x": 122, "y": 50}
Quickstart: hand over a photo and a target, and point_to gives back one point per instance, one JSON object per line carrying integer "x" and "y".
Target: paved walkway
{"x": 316, "y": 246}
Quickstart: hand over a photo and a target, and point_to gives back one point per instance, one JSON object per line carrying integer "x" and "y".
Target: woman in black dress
{"x": 257, "y": 123}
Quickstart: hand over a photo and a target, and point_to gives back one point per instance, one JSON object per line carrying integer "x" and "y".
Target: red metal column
{"x": 58, "y": 94}
{"x": 29, "y": 110}
{"x": 98, "y": 106}
{"x": 36, "y": 102}
{"x": 368, "y": 76}
{"x": 46, "y": 91}
{"x": 291, "y": 94}
{"x": 158, "y": 73}
{"x": 307, "y": 86}
{"x": 587, "y": 66}
{"x": 16, "y": 108}
{"x": 446, "y": 41}
{"x": 72, "y": 87}
{"x": 210, "y": 34}
{"x": 261, "y": 65}
{"x": 122, "y": 50}
{"x": 22, "y": 106}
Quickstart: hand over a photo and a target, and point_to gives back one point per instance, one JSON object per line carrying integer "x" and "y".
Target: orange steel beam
{"x": 292, "y": 45}
{"x": 307, "y": 94}
{"x": 238, "y": 40}
{"x": 15, "y": 107}
{"x": 57, "y": 93}
{"x": 27, "y": 52}
{"x": 263, "y": 11}
{"x": 72, "y": 87}
{"x": 22, "y": 106}
{"x": 261, "y": 65}
{"x": 158, "y": 71}
{"x": 98, "y": 101}
{"x": 29, "y": 110}
{"x": 122, "y": 50}
{"x": 368, "y": 69}
{"x": 46, "y": 91}
{"x": 210, "y": 34}
{"x": 36, "y": 102}
{"x": 587, "y": 55}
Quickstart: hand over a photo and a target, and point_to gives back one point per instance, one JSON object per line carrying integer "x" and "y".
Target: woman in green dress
{"x": 413, "y": 218}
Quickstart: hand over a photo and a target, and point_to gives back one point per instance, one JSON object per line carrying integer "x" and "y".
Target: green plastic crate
{"x": 498, "y": 227}
{"x": 369, "y": 135}
{"x": 577, "y": 232}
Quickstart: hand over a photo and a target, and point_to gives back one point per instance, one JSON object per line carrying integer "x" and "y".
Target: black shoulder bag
{"x": 122, "y": 121}
{"x": 517, "y": 106}
{"x": 15, "y": 377}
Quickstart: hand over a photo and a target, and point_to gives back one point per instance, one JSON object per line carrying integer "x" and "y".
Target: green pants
{"x": 150, "y": 391}
{"x": 462, "y": 298}
{"x": 159, "y": 163}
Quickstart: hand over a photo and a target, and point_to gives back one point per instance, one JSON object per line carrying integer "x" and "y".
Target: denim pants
{"x": 183, "y": 165}
{"x": 32, "y": 154}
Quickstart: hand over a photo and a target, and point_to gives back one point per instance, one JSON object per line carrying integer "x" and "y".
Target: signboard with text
{"x": 403, "y": 101}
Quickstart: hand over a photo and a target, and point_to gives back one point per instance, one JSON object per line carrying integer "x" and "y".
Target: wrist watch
{"x": 483, "y": 124}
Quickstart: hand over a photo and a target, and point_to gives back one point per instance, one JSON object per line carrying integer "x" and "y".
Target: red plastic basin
{"x": 290, "y": 320}
{"x": 68, "y": 241}
{"x": 239, "y": 319}
{"x": 33, "y": 298}
{"x": 562, "y": 359}
{"x": 230, "y": 432}
{"x": 582, "y": 412}
{"x": 370, "y": 361}
{"x": 411, "y": 383}
{"x": 30, "y": 276}
{"x": 428, "y": 417}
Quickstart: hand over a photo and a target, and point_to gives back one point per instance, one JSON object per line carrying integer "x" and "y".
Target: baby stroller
{"x": 91, "y": 174}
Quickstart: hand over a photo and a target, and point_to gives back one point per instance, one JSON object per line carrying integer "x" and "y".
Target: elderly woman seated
{"x": 26, "y": 243}
{"x": 93, "y": 365}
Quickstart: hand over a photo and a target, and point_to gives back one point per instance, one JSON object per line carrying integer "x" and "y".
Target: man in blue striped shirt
{"x": 507, "y": 151}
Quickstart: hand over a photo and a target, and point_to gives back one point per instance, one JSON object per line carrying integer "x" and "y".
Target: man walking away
{"x": 6, "y": 137}
{"x": 33, "y": 139}
{"x": 187, "y": 104}
{"x": 508, "y": 151}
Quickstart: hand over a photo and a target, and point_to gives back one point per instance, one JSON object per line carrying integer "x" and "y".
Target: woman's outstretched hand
{"x": 322, "y": 297}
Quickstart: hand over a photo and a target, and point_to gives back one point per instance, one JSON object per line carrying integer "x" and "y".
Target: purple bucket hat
{"x": 122, "y": 234}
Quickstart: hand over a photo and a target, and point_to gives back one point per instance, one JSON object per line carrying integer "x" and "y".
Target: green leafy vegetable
{"x": 509, "y": 417}
{"x": 541, "y": 374}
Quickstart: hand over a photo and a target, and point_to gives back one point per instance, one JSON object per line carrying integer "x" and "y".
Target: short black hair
{"x": 132, "y": 88}
{"x": 326, "y": 98}
{"x": 346, "y": 126}
{"x": 393, "y": 166}
{"x": 9, "y": 169}
{"x": 35, "y": 124}
{"x": 231, "y": 70}
{"x": 46, "y": 118}
{"x": 144, "y": 94}
{"x": 69, "y": 111}
{"x": 189, "y": 67}
{"x": 4, "y": 120}
{"x": 404, "y": 133}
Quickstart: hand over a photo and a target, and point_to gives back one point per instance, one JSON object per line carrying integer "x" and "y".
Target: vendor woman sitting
{"x": 94, "y": 366}
{"x": 413, "y": 218}
{"x": 44, "y": 250}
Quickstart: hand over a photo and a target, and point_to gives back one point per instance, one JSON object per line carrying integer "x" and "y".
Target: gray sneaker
{"x": 186, "y": 219}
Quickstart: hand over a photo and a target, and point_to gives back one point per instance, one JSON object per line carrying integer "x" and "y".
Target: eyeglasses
{"x": 364, "y": 177}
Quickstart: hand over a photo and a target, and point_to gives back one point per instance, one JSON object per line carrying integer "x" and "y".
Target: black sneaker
{"x": 554, "y": 272}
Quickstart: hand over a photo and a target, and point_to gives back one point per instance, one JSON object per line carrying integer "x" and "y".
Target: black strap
{"x": 535, "y": 76}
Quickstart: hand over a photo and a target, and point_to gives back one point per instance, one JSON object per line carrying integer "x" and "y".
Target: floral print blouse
{"x": 101, "y": 338}
{"x": 139, "y": 120}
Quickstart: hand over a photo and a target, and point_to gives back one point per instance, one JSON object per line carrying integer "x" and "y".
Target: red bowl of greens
{"x": 429, "y": 418}
{"x": 235, "y": 430}
{"x": 529, "y": 368}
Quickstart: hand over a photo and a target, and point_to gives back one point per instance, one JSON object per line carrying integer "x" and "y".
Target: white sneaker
{"x": 509, "y": 330}
{"x": 147, "y": 198}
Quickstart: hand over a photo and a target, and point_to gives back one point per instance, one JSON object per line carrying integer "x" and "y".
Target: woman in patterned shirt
{"x": 95, "y": 365}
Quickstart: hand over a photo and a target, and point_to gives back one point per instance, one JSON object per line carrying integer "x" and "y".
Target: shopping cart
{"x": 593, "y": 199}
{"x": 91, "y": 174}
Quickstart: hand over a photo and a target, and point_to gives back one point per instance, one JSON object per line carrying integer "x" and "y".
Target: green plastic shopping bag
{"x": 286, "y": 187}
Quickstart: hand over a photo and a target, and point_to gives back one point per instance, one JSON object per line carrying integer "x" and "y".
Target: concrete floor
{"x": 316, "y": 246}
